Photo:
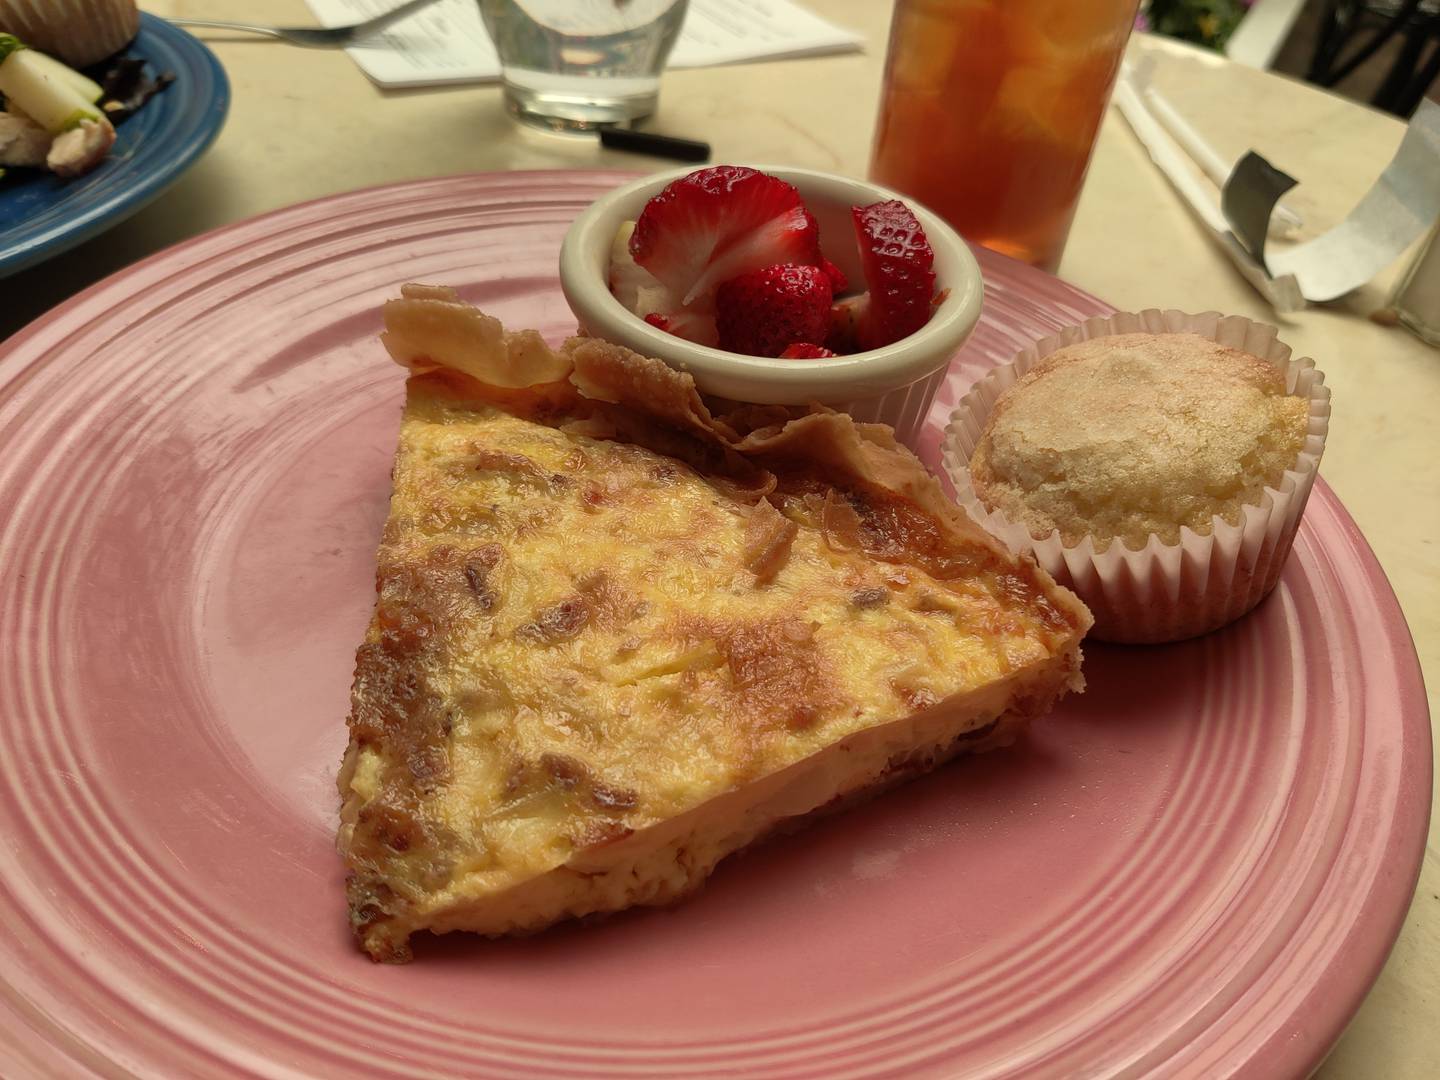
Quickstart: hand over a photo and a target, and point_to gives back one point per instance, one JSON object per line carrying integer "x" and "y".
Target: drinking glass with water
{"x": 579, "y": 64}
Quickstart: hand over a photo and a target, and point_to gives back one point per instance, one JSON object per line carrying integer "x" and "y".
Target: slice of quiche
{"x": 619, "y": 636}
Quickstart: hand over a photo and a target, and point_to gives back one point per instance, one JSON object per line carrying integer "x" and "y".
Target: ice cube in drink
{"x": 989, "y": 111}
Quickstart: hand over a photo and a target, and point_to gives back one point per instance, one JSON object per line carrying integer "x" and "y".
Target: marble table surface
{"x": 308, "y": 124}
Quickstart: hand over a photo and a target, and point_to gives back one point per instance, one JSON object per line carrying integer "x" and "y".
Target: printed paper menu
{"x": 447, "y": 43}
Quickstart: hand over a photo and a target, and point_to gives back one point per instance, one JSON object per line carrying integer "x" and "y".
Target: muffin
{"x": 79, "y": 32}
{"x": 1155, "y": 463}
{"x": 1125, "y": 437}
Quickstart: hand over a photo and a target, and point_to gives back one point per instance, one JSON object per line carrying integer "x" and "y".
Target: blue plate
{"x": 42, "y": 215}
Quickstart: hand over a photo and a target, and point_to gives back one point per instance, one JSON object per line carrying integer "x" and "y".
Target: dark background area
{"x": 1297, "y": 55}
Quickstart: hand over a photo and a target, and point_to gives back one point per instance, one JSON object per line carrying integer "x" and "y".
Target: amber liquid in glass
{"x": 989, "y": 110}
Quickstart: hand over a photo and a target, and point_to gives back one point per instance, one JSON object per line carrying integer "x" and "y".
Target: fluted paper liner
{"x": 1163, "y": 592}
{"x": 80, "y": 32}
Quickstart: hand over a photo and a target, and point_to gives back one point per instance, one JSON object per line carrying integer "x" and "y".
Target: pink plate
{"x": 1195, "y": 869}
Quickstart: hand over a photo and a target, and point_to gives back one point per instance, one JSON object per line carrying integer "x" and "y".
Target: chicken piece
{"x": 77, "y": 151}
{"x": 22, "y": 142}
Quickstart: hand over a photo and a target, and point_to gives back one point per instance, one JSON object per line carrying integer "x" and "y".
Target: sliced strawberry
{"x": 762, "y": 312}
{"x": 637, "y": 289}
{"x": 838, "y": 281}
{"x": 899, "y": 270}
{"x": 803, "y": 350}
{"x": 718, "y": 223}
{"x": 658, "y": 307}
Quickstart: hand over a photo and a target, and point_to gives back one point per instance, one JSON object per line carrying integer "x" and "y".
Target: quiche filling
{"x": 618, "y": 637}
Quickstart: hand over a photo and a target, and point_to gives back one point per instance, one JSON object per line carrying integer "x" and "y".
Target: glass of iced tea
{"x": 989, "y": 110}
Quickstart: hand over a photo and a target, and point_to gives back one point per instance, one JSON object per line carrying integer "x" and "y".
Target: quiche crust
{"x": 620, "y": 635}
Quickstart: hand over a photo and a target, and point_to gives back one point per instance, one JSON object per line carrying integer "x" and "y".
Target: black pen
{"x": 645, "y": 142}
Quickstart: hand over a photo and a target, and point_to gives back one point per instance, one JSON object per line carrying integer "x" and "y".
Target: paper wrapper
{"x": 80, "y": 32}
{"x": 1163, "y": 592}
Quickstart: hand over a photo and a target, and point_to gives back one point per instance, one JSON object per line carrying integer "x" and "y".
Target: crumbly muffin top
{"x": 1135, "y": 434}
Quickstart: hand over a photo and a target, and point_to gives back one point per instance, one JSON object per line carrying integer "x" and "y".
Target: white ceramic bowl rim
{"x": 585, "y": 254}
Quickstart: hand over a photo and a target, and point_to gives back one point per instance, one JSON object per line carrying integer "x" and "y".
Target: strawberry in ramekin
{"x": 730, "y": 257}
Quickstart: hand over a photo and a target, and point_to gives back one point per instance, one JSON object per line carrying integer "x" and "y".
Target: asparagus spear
{"x": 85, "y": 86}
{"x": 31, "y": 84}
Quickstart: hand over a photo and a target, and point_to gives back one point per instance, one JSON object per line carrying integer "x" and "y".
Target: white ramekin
{"x": 893, "y": 385}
